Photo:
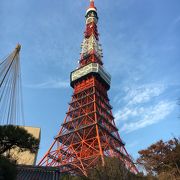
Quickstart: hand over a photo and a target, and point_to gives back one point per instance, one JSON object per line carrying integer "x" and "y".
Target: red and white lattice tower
{"x": 89, "y": 132}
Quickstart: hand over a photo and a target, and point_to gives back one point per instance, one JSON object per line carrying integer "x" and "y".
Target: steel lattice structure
{"x": 89, "y": 132}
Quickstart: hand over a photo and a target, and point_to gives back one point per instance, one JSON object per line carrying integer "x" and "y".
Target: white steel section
{"x": 91, "y": 44}
{"x": 91, "y": 9}
{"x": 91, "y": 19}
{"x": 91, "y": 68}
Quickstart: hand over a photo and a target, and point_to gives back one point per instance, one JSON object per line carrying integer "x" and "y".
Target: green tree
{"x": 162, "y": 158}
{"x": 113, "y": 170}
{"x": 14, "y": 136}
{"x": 70, "y": 177}
{"x": 7, "y": 169}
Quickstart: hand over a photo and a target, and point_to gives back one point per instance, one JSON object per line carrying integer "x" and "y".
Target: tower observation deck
{"x": 88, "y": 132}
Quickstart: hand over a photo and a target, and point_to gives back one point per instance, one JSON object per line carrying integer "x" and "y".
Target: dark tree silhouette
{"x": 14, "y": 136}
{"x": 7, "y": 169}
{"x": 114, "y": 169}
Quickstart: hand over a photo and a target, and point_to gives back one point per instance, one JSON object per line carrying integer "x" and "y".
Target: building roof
{"x": 37, "y": 173}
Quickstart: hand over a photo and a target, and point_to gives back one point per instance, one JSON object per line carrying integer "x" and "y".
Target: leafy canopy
{"x": 14, "y": 136}
{"x": 162, "y": 157}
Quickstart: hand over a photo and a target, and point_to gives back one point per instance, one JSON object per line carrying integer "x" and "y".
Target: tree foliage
{"x": 71, "y": 177}
{"x": 162, "y": 158}
{"x": 113, "y": 170}
{"x": 14, "y": 136}
{"x": 7, "y": 169}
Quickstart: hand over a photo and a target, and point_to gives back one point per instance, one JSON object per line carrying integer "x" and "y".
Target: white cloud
{"x": 140, "y": 110}
{"x": 143, "y": 93}
{"x": 135, "y": 98}
{"x": 127, "y": 112}
{"x": 150, "y": 116}
{"x": 51, "y": 84}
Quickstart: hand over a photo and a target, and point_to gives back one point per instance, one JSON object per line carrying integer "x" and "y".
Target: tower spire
{"x": 92, "y": 4}
{"x": 91, "y": 51}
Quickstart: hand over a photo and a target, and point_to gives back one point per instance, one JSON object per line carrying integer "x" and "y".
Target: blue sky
{"x": 140, "y": 41}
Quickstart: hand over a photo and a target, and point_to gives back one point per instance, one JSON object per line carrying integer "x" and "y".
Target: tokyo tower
{"x": 88, "y": 132}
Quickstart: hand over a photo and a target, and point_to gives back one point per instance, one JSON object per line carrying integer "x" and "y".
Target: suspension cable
{"x": 11, "y": 104}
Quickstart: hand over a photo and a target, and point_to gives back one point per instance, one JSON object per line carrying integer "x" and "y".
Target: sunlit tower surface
{"x": 88, "y": 132}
